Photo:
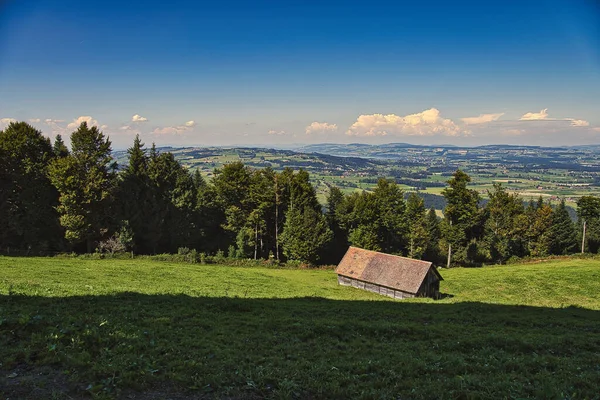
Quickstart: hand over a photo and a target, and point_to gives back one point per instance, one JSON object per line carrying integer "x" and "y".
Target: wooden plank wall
{"x": 371, "y": 287}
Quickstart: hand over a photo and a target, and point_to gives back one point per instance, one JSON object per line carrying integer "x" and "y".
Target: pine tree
{"x": 391, "y": 212}
{"x": 539, "y": 226}
{"x": 433, "y": 250}
{"x": 588, "y": 211}
{"x": 138, "y": 160}
{"x": 60, "y": 148}
{"x": 563, "y": 238}
{"x": 134, "y": 194}
{"x": 339, "y": 243}
{"x": 85, "y": 181}
{"x": 503, "y": 231}
{"x": 418, "y": 233}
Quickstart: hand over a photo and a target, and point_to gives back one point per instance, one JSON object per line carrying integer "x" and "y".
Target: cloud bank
{"x": 175, "y": 130}
{"x": 86, "y": 118}
{"x": 530, "y": 116}
{"x": 321, "y": 127}
{"x": 481, "y": 119}
{"x": 425, "y": 123}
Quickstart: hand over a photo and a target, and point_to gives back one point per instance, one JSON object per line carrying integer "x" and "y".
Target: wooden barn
{"x": 393, "y": 276}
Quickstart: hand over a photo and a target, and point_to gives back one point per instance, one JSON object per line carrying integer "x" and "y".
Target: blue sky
{"x": 266, "y": 72}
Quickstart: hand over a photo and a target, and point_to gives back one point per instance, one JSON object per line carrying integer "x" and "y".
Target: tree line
{"x": 55, "y": 199}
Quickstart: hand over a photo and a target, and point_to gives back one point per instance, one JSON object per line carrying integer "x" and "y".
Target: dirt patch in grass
{"x": 36, "y": 382}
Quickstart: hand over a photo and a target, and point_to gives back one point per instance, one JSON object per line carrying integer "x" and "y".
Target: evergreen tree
{"x": 172, "y": 222}
{"x": 391, "y": 210}
{"x": 563, "y": 238}
{"x": 503, "y": 229}
{"x": 138, "y": 160}
{"x": 199, "y": 180}
{"x": 28, "y": 219}
{"x": 362, "y": 221}
{"x": 60, "y": 148}
{"x": 433, "y": 249}
{"x": 85, "y": 181}
{"x": 588, "y": 211}
{"x": 539, "y": 221}
{"x": 339, "y": 243}
{"x": 135, "y": 197}
{"x": 418, "y": 232}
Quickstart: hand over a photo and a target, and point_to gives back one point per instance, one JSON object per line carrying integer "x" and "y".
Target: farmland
{"x": 531, "y": 171}
{"x": 73, "y": 327}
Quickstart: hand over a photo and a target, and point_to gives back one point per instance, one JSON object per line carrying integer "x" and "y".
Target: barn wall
{"x": 430, "y": 286}
{"x": 342, "y": 280}
{"x": 371, "y": 287}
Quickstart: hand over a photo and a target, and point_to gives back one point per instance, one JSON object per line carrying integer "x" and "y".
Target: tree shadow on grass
{"x": 140, "y": 346}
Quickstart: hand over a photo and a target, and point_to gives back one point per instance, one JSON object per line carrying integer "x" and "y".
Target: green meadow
{"x": 82, "y": 328}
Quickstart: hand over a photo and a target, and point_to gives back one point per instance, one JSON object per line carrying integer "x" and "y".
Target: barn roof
{"x": 396, "y": 272}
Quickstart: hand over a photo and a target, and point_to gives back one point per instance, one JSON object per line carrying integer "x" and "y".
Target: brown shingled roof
{"x": 395, "y": 272}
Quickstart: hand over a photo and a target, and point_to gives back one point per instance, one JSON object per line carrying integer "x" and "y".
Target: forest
{"x": 56, "y": 199}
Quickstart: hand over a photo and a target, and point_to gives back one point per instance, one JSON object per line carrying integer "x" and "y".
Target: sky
{"x": 279, "y": 73}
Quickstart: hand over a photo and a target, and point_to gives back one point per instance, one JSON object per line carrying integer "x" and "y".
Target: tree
{"x": 376, "y": 221}
{"x": 433, "y": 249}
{"x": 135, "y": 196}
{"x": 305, "y": 234}
{"x": 173, "y": 221}
{"x": 28, "y": 219}
{"x": 361, "y": 219}
{"x": 261, "y": 219}
{"x": 339, "y": 243}
{"x": 539, "y": 221}
{"x": 85, "y": 180}
{"x": 503, "y": 230}
{"x": 588, "y": 211}
{"x": 418, "y": 232}
{"x": 391, "y": 210}
{"x": 563, "y": 238}
{"x": 60, "y": 148}
{"x": 461, "y": 213}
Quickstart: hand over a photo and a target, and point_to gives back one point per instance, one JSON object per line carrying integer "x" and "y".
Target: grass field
{"x": 71, "y": 328}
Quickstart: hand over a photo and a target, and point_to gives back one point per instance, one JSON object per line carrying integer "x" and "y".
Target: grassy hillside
{"x": 140, "y": 329}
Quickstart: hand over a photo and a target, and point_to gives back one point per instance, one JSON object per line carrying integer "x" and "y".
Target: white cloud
{"x": 596, "y": 129}
{"x": 76, "y": 122}
{"x": 577, "y": 122}
{"x": 167, "y": 130}
{"x": 426, "y": 123}
{"x": 321, "y": 127}
{"x": 103, "y": 126}
{"x": 128, "y": 129}
{"x": 274, "y": 132}
{"x": 138, "y": 118}
{"x": 175, "y": 130}
{"x": 51, "y": 121}
{"x": 34, "y": 120}
{"x": 7, "y": 120}
{"x": 543, "y": 114}
{"x": 481, "y": 119}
